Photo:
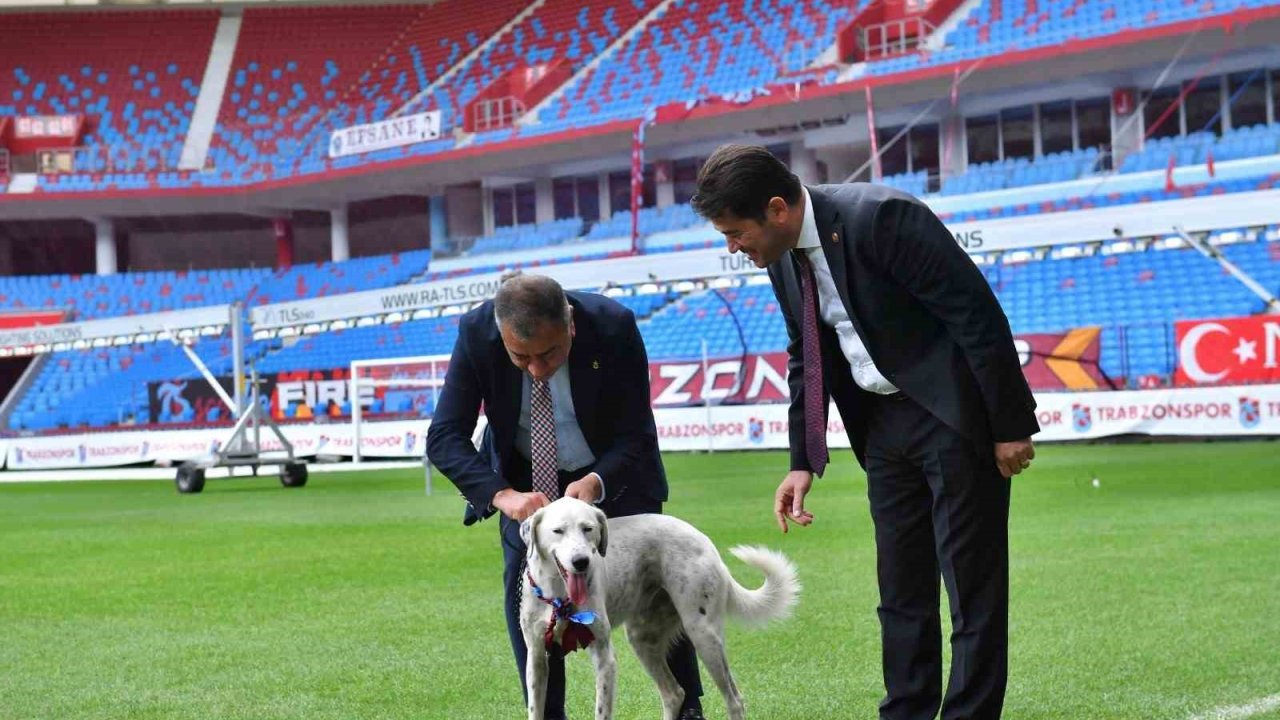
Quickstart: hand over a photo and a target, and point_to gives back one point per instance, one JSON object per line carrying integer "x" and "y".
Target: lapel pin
{"x": 835, "y": 237}
{"x": 595, "y": 364}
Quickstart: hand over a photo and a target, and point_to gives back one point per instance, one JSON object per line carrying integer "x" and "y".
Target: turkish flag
{"x": 1228, "y": 351}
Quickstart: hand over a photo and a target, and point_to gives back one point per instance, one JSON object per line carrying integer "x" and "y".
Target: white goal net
{"x": 394, "y": 389}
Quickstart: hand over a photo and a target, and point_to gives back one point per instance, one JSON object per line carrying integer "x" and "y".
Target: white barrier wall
{"x": 1224, "y": 411}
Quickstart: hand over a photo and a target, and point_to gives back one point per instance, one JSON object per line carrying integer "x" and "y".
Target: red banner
{"x": 1228, "y": 351}
{"x": 39, "y": 132}
{"x": 31, "y": 318}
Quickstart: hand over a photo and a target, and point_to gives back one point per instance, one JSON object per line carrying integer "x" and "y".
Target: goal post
{"x": 392, "y": 389}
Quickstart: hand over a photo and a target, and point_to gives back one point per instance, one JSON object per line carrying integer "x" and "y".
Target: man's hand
{"x": 1014, "y": 457}
{"x": 517, "y": 505}
{"x": 789, "y": 500}
{"x": 588, "y": 489}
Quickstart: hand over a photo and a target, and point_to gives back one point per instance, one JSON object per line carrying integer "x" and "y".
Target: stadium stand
{"x": 698, "y": 49}
{"x": 90, "y": 297}
{"x": 345, "y": 66}
{"x": 1134, "y": 296}
{"x": 135, "y": 77}
{"x": 528, "y": 237}
{"x": 104, "y": 387}
{"x": 651, "y": 220}
{"x": 995, "y": 27}
{"x": 1103, "y": 196}
{"x": 328, "y": 278}
{"x": 558, "y": 32}
{"x": 725, "y": 319}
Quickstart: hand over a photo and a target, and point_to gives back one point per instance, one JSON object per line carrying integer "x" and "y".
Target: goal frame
{"x": 357, "y": 381}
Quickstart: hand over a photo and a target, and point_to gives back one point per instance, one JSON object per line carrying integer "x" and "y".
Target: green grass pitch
{"x": 1153, "y": 595}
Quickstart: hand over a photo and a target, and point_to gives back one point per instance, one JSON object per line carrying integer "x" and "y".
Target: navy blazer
{"x": 928, "y": 318}
{"x": 609, "y": 377}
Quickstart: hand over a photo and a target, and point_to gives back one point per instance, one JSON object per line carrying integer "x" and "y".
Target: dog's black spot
{"x": 702, "y": 610}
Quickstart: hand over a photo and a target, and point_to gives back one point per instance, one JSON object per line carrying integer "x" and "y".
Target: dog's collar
{"x": 576, "y": 633}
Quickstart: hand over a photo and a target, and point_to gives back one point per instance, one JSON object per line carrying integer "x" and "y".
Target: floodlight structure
{"x": 244, "y": 448}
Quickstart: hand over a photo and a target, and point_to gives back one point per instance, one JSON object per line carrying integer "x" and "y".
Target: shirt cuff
{"x": 603, "y": 493}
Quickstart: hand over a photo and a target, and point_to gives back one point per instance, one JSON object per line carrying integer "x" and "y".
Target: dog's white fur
{"x": 662, "y": 577}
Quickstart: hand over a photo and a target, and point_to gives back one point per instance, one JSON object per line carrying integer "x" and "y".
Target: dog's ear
{"x": 529, "y": 535}
{"x": 602, "y": 522}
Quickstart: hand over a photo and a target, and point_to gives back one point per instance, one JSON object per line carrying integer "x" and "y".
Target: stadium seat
{"x": 135, "y": 76}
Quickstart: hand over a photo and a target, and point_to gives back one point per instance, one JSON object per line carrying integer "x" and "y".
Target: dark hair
{"x": 525, "y": 302}
{"x": 741, "y": 179}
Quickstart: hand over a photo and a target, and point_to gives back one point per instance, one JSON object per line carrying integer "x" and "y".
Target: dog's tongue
{"x": 576, "y": 583}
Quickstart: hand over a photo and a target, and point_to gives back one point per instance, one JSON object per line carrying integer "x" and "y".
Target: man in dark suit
{"x": 564, "y": 381}
{"x": 887, "y": 315}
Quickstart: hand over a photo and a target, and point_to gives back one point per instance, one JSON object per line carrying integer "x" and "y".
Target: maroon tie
{"x": 542, "y": 439}
{"x": 815, "y": 419}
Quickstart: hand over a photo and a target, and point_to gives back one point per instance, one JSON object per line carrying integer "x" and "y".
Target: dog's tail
{"x": 771, "y": 601}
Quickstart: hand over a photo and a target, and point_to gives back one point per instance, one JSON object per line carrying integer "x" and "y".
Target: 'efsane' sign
{"x": 395, "y": 132}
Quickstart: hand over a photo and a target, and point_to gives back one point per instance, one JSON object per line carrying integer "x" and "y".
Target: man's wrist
{"x": 499, "y": 495}
{"x": 599, "y": 488}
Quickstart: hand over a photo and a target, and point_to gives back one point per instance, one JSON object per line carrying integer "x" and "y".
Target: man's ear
{"x": 529, "y": 536}
{"x": 777, "y": 210}
{"x": 602, "y": 521}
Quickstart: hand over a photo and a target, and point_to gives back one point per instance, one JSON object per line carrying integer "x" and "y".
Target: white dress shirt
{"x": 833, "y": 312}
{"x": 572, "y": 450}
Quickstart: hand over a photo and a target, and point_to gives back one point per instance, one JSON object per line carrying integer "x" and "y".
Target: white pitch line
{"x": 1237, "y": 712}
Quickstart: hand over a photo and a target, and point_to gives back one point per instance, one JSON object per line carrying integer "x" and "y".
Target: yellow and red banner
{"x": 1062, "y": 361}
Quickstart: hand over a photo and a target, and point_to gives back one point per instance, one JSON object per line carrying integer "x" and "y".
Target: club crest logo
{"x": 1081, "y": 418}
{"x": 82, "y": 452}
{"x": 410, "y": 440}
{"x": 755, "y": 430}
{"x": 1250, "y": 412}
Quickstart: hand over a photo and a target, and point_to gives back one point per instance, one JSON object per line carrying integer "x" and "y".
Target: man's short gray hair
{"x": 525, "y": 302}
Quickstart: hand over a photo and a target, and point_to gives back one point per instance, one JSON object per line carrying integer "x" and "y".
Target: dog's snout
{"x": 580, "y": 563}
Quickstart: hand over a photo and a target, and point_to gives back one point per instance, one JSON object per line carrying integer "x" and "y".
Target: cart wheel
{"x": 293, "y": 474}
{"x": 190, "y": 479}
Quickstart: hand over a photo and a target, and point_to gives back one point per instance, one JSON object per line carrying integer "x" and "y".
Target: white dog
{"x": 662, "y": 577}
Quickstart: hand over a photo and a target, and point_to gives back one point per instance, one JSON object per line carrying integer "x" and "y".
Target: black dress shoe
{"x": 691, "y": 714}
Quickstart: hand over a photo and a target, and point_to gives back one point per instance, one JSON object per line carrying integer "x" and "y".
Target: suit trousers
{"x": 941, "y": 510}
{"x": 682, "y": 659}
